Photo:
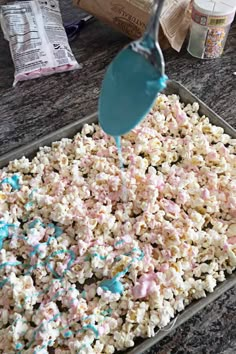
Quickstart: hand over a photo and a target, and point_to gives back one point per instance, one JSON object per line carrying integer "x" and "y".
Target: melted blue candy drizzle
{"x": 34, "y": 223}
{"x": 58, "y": 294}
{"x": 39, "y": 329}
{"x": 19, "y": 346}
{"x": 32, "y": 193}
{"x": 68, "y": 334}
{"x": 29, "y": 205}
{"x": 72, "y": 258}
{"x": 95, "y": 254}
{"x": 3, "y": 282}
{"x": 107, "y": 312}
{"x": 57, "y": 233}
{"x": 92, "y": 328}
{"x": 119, "y": 149}
{"x": 113, "y": 285}
{"x": 140, "y": 254}
{"x": 12, "y": 181}
{"x": 119, "y": 243}
{"x": 10, "y": 264}
{"x": 4, "y": 231}
{"x": 57, "y": 230}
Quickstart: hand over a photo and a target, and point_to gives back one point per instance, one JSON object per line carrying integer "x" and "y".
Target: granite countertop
{"x": 38, "y": 107}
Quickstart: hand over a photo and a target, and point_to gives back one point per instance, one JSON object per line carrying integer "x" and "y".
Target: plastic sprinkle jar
{"x": 210, "y": 25}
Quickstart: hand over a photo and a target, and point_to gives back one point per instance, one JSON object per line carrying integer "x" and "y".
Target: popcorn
{"x": 92, "y": 257}
{"x": 231, "y": 231}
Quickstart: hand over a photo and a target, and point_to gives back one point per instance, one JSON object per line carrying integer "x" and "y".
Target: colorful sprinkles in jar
{"x": 211, "y": 22}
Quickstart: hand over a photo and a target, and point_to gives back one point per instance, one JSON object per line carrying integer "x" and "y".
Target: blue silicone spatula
{"x": 132, "y": 81}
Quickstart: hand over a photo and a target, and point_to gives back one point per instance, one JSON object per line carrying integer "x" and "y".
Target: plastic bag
{"x": 37, "y": 39}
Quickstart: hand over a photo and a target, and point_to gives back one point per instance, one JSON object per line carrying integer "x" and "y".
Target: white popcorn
{"x": 195, "y": 107}
{"x": 23, "y": 291}
{"x": 210, "y": 283}
{"x": 20, "y": 327}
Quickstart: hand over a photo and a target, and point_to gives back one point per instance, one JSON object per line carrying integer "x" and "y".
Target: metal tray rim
{"x": 70, "y": 130}
{"x": 191, "y": 310}
{"x": 58, "y": 134}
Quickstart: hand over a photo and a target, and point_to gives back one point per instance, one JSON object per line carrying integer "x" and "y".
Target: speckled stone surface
{"x": 41, "y": 106}
{"x": 212, "y": 331}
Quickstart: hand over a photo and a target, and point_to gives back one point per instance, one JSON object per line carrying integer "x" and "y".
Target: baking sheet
{"x": 69, "y": 131}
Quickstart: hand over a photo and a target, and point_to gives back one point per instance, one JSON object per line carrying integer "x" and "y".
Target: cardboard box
{"x": 131, "y": 17}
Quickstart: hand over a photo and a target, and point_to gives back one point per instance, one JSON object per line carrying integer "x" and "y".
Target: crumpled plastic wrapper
{"x": 37, "y": 39}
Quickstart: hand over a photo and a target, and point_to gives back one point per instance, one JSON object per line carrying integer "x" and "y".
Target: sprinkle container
{"x": 210, "y": 26}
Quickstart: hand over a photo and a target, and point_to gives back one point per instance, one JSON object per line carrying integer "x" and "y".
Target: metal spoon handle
{"x": 153, "y": 26}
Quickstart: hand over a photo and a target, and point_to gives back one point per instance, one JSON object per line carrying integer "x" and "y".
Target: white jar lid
{"x": 215, "y": 7}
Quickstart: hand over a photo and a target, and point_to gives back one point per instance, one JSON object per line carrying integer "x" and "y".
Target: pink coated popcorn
{"x": 232, "y": 240}
{"x": 171, "y": 207}
{"x": 145, "y": 285}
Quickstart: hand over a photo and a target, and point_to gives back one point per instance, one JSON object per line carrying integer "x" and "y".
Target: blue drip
{"x": 35, "y": 222}
{"x": 141, "y": 254}
{"x": 19, "y": 346}
{"x": 93, "y": 255}
{"x": 3, "y": 282}
{"x": 38, "y": 329}
{"x": 92, "y": 328}
{"x": 119, "y": 149}
{"x": 119, "y": 243}
{"x": 59, "y": 293}
{"x": 32, "y": 193}
{"x": 4, "y": 231}
{"x": 12, "y": 181}
{"x": 10, "y": 264}
{"x": 57, "y": 233}
{"x": 107, "y": 312}
{"x": 81, "y": 348}
{"x": 29, "y": 205}
{"x": 57, "y": 230}
{"x": 113, "y": 285}
{"x": 72, "y": 258}
{"x": 68, "y": 334}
